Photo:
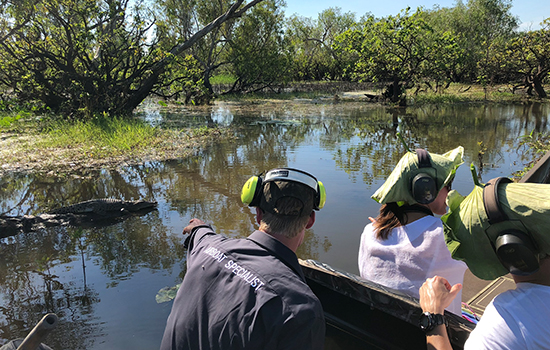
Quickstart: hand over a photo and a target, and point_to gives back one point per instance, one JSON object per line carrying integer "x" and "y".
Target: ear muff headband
{"x": 288, "y": 174}
{"x": 514, "y": 248}
{"x": 423, "y": 186}
{"x": 490, "y": 200}
{"x": 252, "y": 190}
{"x": 423, "y": 158}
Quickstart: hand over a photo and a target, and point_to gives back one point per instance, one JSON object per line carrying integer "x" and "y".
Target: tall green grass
{"x": 106, "y": 136}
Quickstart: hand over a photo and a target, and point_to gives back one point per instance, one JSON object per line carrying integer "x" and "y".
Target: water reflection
{"x": 102, "y": 281}
{"x": 32, "y": 287}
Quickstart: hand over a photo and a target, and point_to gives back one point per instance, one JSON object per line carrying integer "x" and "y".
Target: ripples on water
{"x": 102, "y": 280}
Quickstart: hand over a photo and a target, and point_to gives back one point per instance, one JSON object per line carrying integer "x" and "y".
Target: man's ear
{"x": 311, "y": 219}
{"x": 259, "y": 215}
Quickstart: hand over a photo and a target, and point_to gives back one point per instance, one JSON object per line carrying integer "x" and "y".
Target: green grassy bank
{"x": 28, "y": 143}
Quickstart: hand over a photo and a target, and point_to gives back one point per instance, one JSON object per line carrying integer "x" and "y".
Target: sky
{"x": 530, "y": 12}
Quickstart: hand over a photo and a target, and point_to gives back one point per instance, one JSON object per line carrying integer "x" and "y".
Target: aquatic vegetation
{"x": 167, "y": 293}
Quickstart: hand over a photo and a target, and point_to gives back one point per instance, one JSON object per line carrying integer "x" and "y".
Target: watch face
{"x": 425, "y": 321}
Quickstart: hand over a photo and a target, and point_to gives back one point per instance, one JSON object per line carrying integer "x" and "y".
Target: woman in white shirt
{"x": 405, "y": 244}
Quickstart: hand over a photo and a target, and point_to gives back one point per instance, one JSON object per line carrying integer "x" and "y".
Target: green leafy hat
{"x": 469, "y": 235}
{"x": 397, "y": 187}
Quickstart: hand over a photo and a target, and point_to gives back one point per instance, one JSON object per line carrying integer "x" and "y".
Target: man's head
{"x": 287, "y": 198}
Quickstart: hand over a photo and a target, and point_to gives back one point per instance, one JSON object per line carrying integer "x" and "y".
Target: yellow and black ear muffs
{"x": 515, "y": 248}
{"x": 252, "y": 190}
{"x": 423, "y": 186}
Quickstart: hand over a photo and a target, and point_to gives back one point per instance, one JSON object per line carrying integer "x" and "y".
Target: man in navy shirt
{"x": 251, "y": 293}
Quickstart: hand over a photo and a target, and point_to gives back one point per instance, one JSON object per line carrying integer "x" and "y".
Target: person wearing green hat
{"x": 515, "y": 319}
{"x": 405, "y": 244}
{"x": 500, "y": 228}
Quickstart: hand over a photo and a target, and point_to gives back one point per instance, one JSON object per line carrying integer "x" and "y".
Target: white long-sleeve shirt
{"x": 411, "y": 254}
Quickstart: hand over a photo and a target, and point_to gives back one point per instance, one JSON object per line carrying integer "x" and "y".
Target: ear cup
{"x": 423, "y": 188}
{"x": 251, "y": 192}
{"x": 514, "y": 248}
{"x": 516, "y": 252}
{"x": 321, "y": 196}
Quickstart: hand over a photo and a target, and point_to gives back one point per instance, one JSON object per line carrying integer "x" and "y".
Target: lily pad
{"x": 167, "y": 294}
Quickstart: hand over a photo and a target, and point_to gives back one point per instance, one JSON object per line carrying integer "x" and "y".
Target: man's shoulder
{"x": 205, "y": 236}
{"x": 294, "y": 292}
{"x": 523, "y": 292}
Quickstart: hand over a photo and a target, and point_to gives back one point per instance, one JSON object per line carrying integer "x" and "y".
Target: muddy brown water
{"x": 102, "y": 281}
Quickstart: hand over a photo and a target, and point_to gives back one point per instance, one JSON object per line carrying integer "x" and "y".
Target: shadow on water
{"x": 102, "y": 280}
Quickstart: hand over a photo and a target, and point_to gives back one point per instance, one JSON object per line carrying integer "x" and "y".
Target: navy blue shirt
{"x": 243, "y": 294}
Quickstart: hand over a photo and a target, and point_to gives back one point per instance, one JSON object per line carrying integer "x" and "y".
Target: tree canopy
{"x": 401, "y": 50}
{"x": 84, "y": 57}
{"x": 81, "y": 58}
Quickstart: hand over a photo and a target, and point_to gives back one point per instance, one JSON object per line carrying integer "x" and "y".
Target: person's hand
{"x": 436, "y": 294}
{"x": 192, "y": 224}
{"x": 373, "y": 220}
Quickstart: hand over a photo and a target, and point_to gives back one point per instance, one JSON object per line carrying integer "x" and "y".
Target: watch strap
{"x": 429, "y": 321}
{"x": 439, "y": 319}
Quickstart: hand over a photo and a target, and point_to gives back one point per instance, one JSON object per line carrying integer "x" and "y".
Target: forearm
{"x": 435, "y": 295}
{"x": 438, "y": 339}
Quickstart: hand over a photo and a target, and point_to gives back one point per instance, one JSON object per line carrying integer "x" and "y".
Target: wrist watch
{"x": 429, "y": 321}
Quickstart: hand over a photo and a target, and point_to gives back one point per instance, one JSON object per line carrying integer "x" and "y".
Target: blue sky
{"x": 530, "y": 12}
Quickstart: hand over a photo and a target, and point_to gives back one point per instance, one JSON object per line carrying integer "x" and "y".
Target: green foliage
{"x": 88, "y": 57}
{"x": 178, "y": 19}
{"x": 77, "y": 57}
{"x": 257, "y": 52}
{"x": 82, "y": 58}
{"x": 223, "y": 79}
{"x": 184, "y": 77}
{"x": 479, "y": 25}
{"x": 14, "y": 120}
{"x": 7, "y": 121}
{"x": 256, "y": 97}
{"x": 401, "y": 50}
{"x": 167, "y": 293}
{"x": 525, "y": 58}
{"x": 314, "y": 57}
{"x": 535, "y": 145}
{"x": 439, "y": 98}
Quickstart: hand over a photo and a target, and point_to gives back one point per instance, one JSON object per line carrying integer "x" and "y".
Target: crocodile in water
{"x": 105, "y": 207}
